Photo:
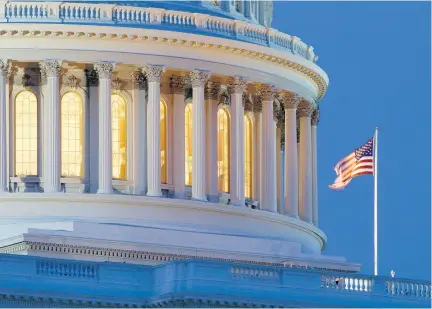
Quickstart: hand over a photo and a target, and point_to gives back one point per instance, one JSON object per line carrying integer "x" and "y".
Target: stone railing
{"x": 407, "y": 288}
{"x": 347, "y": 283}
{"x": 155, "y": 18}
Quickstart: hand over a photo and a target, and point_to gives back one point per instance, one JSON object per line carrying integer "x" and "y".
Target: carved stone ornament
{"x": 139, "y": 80}
{"x": 289, "y": 100}
{"x": 72, "y": 81}
{"x": 104, "y": 69}
{"x": 177, "y": 84}
{"x": 224, "y": 98}
{"x": 315, "y": 116}
{"x": 257, "y": 103}
{"x": 237, "y": 85}
{"x": 51, "y": 68}
{"x": 92, "y": 77}
{"x": 5, "y": 66}
{"x": 267, "y": 92}
{"x": 117, "y": 84}
{"x": 153, "y": 73}
{"x": 199, "y": 78}
{"x": 305, "y": 108}
{"x": 247, "y": 103}
{"x": 212, "y": 90}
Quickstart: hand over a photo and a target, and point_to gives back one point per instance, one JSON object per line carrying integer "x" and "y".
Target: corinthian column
{"x": 305, "y": 196}
{"x": 51, "y": 70}
{"x": 177, "y": 87}
{"x": 290, "y": 102}
{"x": 154, "y": 74}
{"x": 268, "y": 175}
{"x": 211, "y": 95}
{"x": 198, "y": 80}
{"x": 104, "y": 71}
{"x": 237, "y": 86}
{"x": 4, "y": 69}
{"x": 315, "y": 120}
{"x": 140, "y": 134}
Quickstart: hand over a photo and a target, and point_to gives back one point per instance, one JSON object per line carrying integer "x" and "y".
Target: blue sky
{"x": 377, "y": 56}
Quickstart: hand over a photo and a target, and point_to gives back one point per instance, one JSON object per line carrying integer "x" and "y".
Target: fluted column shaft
{"x": 268, "y": 176}
{"x": 237, "y": 86}
{"x": 305, "y": 196}
{"x": 211, "y": 96}
{"x": 140, "y": 135}
{"x": 4, "y": 68}
{"x": 198, "y": 80}
{"x": 104, "y": 71}
{"x": 315, "y": 120}
{"x": 279, "y": 201}
{"x": 290, "y": 102}
{"x": 177, "y": 88}
{"x": 257, "y": 150}
{"x": 154, "y": 74}
{"x": 51, "y": 70}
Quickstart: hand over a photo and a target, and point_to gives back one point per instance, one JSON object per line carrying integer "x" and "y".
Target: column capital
{"x": 139, "y": 80}
{"x": 305, "y": 108}
{"x": 104, "y": 69}
{"x": 199, "y": 78}
{"x": 267, "y": 92}
{"x": 153, "y": 72}
{"x": 257, "y": 104}
{"x": 212, "y": 90}
{"x": 315, "y": 116}
{"x": 237, "y": 84}
{"x": 51, "y": 68}
{"x": 177, "y": 84}
{"x": 289, "y": 99}
{"x": 5, "y": 66}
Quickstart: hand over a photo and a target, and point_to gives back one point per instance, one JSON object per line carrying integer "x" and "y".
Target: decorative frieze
{"x": 237, "y": 84}
{"x": 177, "y": 84}
{"x": 212, "y": 90}
{"x": 104, "y": 69}
{"x": 153, "y": 72}
{"x": 199, "y": 78}
{"x": 315, "y": 116}
{"x": 51, "y": 68}
{"x": 267, "y": 92}
{"x": 305, "y": 108}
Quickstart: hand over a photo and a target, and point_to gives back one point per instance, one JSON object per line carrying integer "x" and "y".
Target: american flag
{"x": 357, "y": 163}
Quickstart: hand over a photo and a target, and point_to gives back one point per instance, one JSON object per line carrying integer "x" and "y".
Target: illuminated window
{"x": 248, "y": 156}
{"x": 72, "y": 135}
{"x": 119, "y": 136}
{"x": 188, "y": 144}
{"x": 26, "y": 134}
{"x": 223, "y": 150}
{"x": 163, "y": 141}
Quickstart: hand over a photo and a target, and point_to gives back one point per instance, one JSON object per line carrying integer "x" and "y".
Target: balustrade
{"x": 30, "y": 12}
{"x": 346, "y": 283}
{"x": 408, "y": 288}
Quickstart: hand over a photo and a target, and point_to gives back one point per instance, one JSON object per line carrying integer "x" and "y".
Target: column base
{"x": 139, "y": 192}
{"x": 199, "y": 199}
{"x": 180, "y": 195}
{"x": 154, "y": 194}
{"x": 102, "y": 191}
{"x": 52, "y": 190}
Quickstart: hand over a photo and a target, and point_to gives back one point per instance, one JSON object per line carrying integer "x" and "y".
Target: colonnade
{"x": 300, "y": 172}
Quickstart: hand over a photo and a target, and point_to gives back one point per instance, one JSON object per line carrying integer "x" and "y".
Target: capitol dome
{"x": 149, "y": 131}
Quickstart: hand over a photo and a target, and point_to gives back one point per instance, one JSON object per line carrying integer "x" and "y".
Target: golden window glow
{"x": 72, "y": 135}
{"x": 119, "y": 136}
{"x": 26, "y": 134}
{"x": 248, "y": 156}
{"x": 188, "y": 144}
{"x": 163, "y": 141}
{"x": 223, "y": 150}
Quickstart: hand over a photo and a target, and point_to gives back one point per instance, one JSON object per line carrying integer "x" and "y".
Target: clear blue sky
{"x": 377, "y": 56}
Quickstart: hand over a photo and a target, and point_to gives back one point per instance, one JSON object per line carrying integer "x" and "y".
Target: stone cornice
{"x": 315, "y": 77}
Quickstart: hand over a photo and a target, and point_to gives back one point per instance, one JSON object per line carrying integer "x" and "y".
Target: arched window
{"x": 72, "y": 135}
{"x": 188, "y": 144}
{"x": 248, "y": 155}
{"x": 223, "y": 150}
{"x": 26, "y": 134}
{"x": 119, "y": 136}
{"x": 163, "y": 141}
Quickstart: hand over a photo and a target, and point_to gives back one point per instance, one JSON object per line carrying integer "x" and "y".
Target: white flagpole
{"x": 376, "y": 202}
